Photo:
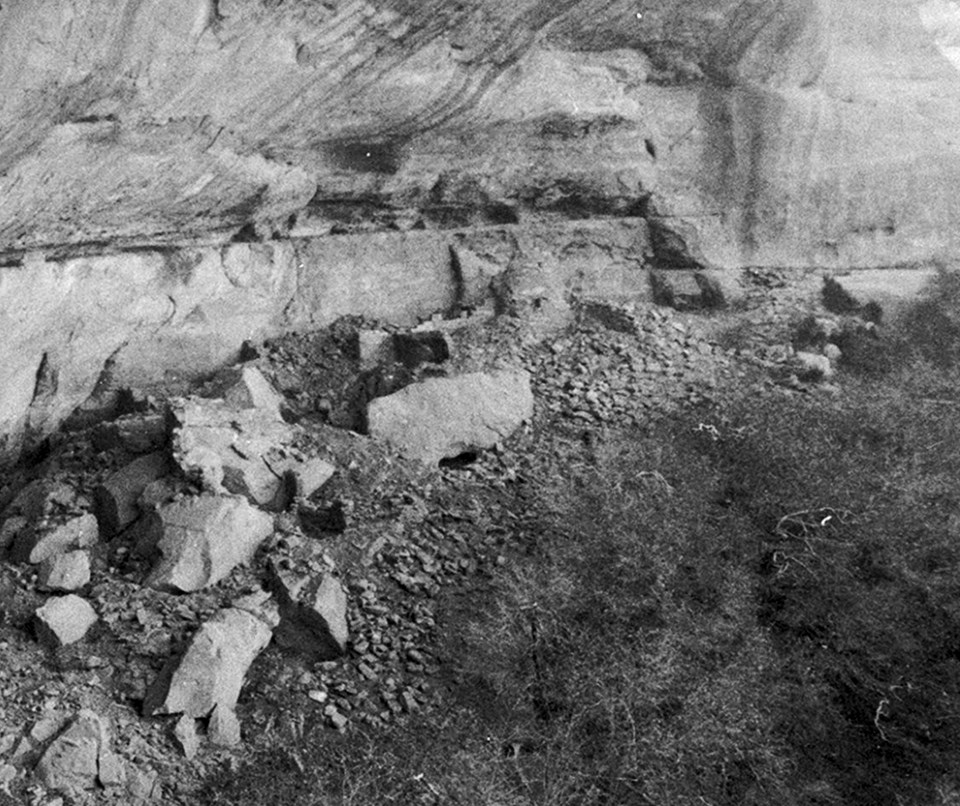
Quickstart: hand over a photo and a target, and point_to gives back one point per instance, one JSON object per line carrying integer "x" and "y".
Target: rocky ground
{"x": 287, "y": 545}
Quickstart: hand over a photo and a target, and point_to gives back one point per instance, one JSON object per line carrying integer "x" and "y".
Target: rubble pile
{"x": 289, "y": 535}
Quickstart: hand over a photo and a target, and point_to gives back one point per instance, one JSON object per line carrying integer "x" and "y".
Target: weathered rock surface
{"x": 211, "y": 671}
{"x": 201, "y": 540}
{"x": 445, "y": 417}
{"x": 117, "y": 499}
{"x": 733, "y": 133}
{"x": 313, "y": 612}
{"x": 41, "y": 542}
{"x": 64, "y": 620}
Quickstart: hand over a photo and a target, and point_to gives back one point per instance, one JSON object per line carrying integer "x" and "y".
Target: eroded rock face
{"x": 275, "y": 165}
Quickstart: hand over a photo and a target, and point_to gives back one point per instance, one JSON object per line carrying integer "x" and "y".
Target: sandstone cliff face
{"x": 177, "y": 176}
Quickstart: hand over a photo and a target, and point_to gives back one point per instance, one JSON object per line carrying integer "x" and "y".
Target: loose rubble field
{"x": 200, "y": 573}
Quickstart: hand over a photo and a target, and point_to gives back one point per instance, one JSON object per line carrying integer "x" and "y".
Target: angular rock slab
{"x": 211, "y": 672}
{"x": 242, "y": 451}
{"x": 445, "y": 417}
{"x": 313, "y": 613}
{"x": 201, "y": 540}
{"x": 64, "y": 620}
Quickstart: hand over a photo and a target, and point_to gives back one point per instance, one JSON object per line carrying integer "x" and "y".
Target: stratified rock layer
{"x": 176, "y": 179}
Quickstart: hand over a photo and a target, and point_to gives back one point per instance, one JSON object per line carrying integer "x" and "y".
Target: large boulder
{"x": 444, "y": 417}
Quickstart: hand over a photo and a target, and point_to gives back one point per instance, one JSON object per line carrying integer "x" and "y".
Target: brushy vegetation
{"x": 757, "y": 602}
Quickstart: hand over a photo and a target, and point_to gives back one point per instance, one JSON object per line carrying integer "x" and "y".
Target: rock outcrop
{"x": 176, "y": 180}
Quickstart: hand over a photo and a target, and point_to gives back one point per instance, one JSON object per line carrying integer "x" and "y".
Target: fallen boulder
{"x": 63, "y": 620}
{"x": 210, "y": 673}
{"x": 444, "y": 417}
{"x": 185, "y": 735}
{"x": 117, "y": 499}
{"x": 43, "y": 541}
{"x": 201, "y": 540}
{"x": 313, "y": 612}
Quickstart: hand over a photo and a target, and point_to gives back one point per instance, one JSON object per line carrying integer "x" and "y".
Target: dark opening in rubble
{"x": 461, "y": 461}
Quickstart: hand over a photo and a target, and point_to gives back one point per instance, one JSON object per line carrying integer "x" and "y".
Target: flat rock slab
{"x": 444, "y": 417}
{"x": 201, "y": 540}
{"x": 64, "y": 620}
{"x": 41, "y": 542}
{"x": 242, "y": 451}
{"x": 211, "y": 671}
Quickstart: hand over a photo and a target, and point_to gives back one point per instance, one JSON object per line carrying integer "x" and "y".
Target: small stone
{"x": 65, "y": 572}
{"x": 409, "y": 703}
{"x": 338, "y": 720}
{"x": 317, "y": 695}
{"x": 64, "y": 620}
{"x": 185, "y": 734}
{"x": 224, "y": 727}
{"x": 111, "y": 771}
{"x": 814, "y": 367}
